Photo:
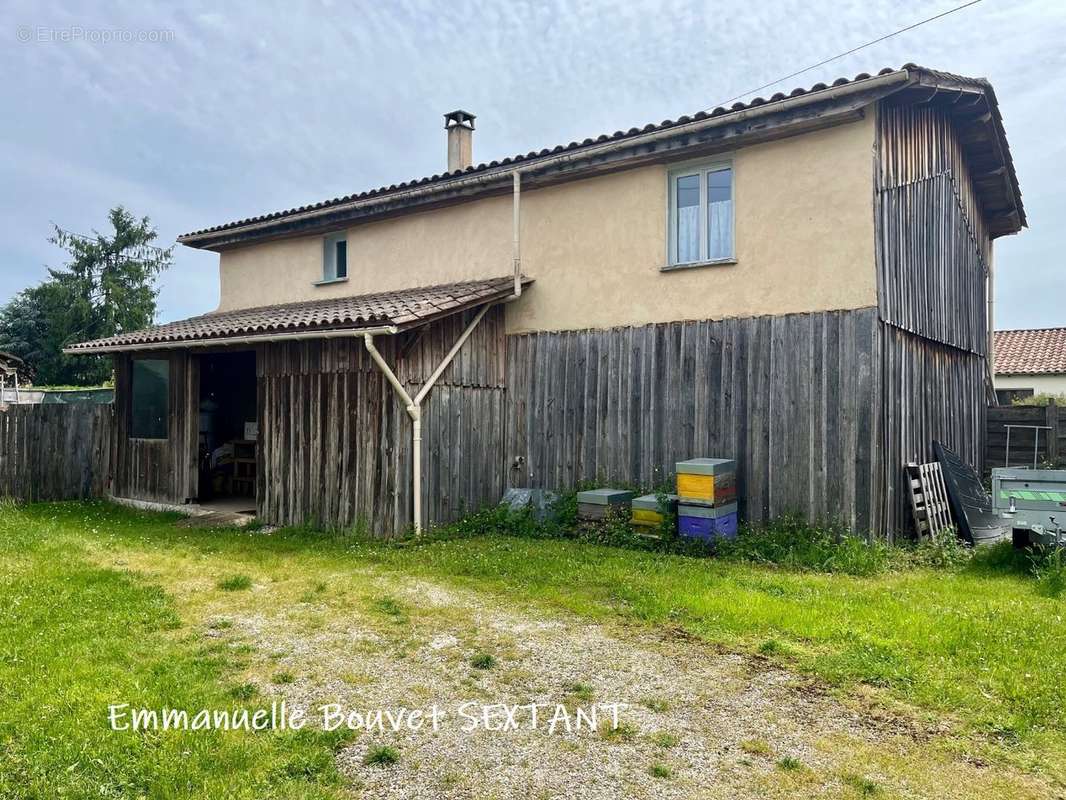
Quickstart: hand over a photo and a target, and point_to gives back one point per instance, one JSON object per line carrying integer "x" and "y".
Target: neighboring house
{"x": 799, "y": 283}
{"x": 1029, "y": 362}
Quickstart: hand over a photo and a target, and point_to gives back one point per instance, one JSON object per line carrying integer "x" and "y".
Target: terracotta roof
{"x": 403, "y": 309}
{"x": 208, "y": 237}
{"x": 1030, "y": 352}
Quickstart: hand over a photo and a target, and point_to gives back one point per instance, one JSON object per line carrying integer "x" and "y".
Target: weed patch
{"x": 235, "y": 583}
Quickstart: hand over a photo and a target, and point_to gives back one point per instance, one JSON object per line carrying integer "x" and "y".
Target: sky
{"x": 203, "y": 113}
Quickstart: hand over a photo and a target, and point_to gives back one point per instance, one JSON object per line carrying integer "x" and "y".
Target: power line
{"x": 847, "y": 53}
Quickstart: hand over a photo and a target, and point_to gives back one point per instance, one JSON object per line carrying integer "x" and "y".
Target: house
{"x": 1029, "y": 362}
{"x": 800, "y": 283}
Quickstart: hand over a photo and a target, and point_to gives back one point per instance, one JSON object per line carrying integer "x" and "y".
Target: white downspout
{"x": 991, "y": 346}
{"x": 414, "y": 404}
{"x": 516, "y": 234}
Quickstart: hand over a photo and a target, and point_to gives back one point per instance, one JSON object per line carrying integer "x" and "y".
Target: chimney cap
{"x": 459, "y": 118}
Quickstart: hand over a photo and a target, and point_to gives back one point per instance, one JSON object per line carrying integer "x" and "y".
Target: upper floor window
{"x": 701, "y": 214}
{"x": 150, "y": 398}
{"x": 335, "y": 257}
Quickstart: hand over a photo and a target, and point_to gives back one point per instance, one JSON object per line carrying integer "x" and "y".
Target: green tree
{"x": 107, "y": 286}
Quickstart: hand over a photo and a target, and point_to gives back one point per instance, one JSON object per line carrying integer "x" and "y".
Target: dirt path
{"x": 697, "y": 722}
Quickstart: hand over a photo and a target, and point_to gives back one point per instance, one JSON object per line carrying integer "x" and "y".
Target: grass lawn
{"x": 100, "y": 604}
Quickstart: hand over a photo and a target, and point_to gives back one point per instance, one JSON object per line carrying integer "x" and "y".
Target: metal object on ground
{"x": 1036, "y": 440}
{"x": 971, "y": 507}
{"x": 539, "y": 501}
{"x": 1033, "y": 504}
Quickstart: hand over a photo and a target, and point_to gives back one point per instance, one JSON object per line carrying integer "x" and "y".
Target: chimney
{"x": 460, "y": 127}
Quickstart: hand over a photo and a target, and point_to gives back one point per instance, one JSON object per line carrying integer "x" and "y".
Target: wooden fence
{"x": 55, "y": 452}
{"x": 1044, "y": 431}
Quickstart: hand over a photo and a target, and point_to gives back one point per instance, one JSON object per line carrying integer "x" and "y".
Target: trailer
{"x": 1033, "y": 504}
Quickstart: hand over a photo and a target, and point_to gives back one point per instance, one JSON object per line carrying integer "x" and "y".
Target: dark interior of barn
{"x": 228, "y": 426}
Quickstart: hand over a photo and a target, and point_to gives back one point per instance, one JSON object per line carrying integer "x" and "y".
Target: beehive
{"x": 595, "y": 503}
{"x": 647, "y": 511}
{"x": 708, "y": 481}
{"x": 707, "y": 523}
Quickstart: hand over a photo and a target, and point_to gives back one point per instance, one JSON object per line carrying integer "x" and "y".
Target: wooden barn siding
{"x": 163, "y": 470}
{"x": 932, "y": 251}
{"x": 932, "y": 248}
{"x": 55, "y": 452}
{"x": 335, "y": 441}
{"x": 929, "y": 391}
{"x": 791, "y": 398}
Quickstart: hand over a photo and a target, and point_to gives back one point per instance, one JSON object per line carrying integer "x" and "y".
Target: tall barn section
{"x": 933, "y": 270}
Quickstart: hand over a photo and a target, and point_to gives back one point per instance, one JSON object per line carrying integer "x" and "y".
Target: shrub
{"x": 944, "y": 550}
{"x": 794, "y": 543}
{"x": 1042, "y": 399}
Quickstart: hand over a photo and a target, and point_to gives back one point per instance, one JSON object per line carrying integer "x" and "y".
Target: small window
{"x": 150, "y": 398}
{"x": 701, "y": 214}
{"x": 335, "y": 258}
{"x": 1008, "y": 397}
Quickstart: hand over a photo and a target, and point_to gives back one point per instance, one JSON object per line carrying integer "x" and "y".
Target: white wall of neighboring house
{"x": 1046, "y": 383}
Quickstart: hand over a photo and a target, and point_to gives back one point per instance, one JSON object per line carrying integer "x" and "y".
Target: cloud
{"x": 254, "y": 107}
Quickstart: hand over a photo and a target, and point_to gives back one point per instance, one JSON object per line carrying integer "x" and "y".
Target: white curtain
{"x": 688, "y": 234}
{"x": 720, "y": 229}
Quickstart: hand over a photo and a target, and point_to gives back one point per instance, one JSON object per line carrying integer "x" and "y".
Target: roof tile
{"x": 1030, "y": 352}
{"x": 404, "y": 307}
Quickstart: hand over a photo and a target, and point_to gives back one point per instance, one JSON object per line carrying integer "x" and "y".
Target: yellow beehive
{"x": 707, "y": 480}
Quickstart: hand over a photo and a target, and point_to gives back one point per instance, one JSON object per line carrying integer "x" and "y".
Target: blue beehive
{"x": 709, "y": 524}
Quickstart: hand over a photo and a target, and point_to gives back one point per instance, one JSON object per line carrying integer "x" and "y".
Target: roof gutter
{"x": 498, "y": 174}
{"x": 333, "y": 333}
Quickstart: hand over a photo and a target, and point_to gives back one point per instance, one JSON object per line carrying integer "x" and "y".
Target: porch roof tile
{"x": 403, "y": 309}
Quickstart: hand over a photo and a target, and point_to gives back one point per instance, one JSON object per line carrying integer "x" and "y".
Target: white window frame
{"x": 329, "y": 258}
{"x": 701, "y": 168}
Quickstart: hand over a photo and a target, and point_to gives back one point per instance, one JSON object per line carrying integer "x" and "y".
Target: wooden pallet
{"x": 929, "y": 499}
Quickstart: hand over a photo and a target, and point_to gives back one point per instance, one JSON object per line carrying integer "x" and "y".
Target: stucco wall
{"x": 1040, "y": 384}
{"x": 804, "y": 242}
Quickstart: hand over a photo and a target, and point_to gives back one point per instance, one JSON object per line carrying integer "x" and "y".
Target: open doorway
{"x": 229, "y": 431}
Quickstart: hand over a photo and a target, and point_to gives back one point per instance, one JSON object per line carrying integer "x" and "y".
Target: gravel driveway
{"x": 696, "y": 722}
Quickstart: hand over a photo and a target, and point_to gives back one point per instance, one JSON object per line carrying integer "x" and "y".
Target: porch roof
{"x": 397, "y": 310}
